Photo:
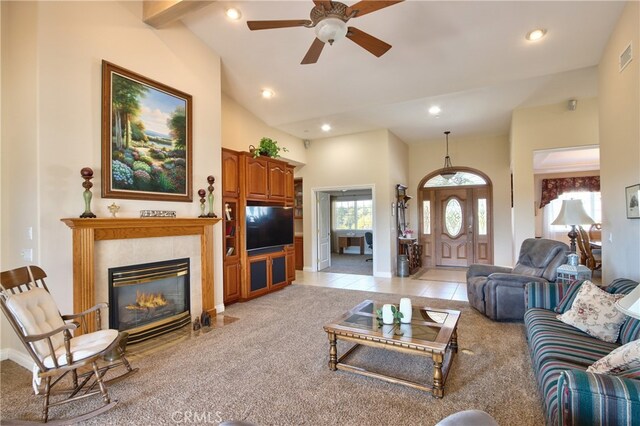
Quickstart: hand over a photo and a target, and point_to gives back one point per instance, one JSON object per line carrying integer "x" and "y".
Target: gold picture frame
{"x": 146, "y": 138}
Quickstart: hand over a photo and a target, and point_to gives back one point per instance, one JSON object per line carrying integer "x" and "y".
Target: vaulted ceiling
{"x": 469, "y": 58}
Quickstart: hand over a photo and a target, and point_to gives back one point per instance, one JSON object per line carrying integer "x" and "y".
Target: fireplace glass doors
{"x": 150, "y": 299}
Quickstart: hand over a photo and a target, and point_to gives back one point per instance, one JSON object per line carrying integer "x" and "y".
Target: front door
{"x": 456, "y": 219}
{"x": 454, "y": 227}
{"x": 324, "y": 231}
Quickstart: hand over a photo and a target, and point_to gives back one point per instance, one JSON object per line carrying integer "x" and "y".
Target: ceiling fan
{"x": 329, "y": 18}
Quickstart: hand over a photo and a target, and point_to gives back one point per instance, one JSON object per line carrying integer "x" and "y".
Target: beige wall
{"x": 51, "y": 59}
{"x": 353, "y": 161}
{"x": 398, "y": 174}
{"x": 488, "y": 154}
{"x": 538, "y": 128}
{"x": 619, "y": 96}
{"x": 240, "y": 128}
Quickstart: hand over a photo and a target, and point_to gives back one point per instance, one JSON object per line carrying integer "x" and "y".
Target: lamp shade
{"x": 572, "y": 213}
{"x": 630, "y": 304}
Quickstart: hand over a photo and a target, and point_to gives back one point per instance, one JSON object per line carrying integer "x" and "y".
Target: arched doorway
{"x": 456, "y": 218}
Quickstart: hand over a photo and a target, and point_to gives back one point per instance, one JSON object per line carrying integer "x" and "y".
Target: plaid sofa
{"x": 560, "y": 355}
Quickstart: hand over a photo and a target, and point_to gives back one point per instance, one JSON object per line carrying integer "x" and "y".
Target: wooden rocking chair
{"x": 47, "y": 337}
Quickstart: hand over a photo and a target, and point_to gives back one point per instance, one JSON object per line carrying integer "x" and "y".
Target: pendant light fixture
{"x": 447, "y": 170}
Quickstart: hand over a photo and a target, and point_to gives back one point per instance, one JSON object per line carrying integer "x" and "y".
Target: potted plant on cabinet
{"x": 267, "y": 147}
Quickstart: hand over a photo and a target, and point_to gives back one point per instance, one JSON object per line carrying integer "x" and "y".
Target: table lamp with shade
{"x": 630, "y": 304}
{"x": 572, "y": 213}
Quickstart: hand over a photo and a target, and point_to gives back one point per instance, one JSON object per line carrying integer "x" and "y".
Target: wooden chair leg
{"x": 45, "y": 403}
{"x": 103, "y": 389}
{"x": 124, "y": 360}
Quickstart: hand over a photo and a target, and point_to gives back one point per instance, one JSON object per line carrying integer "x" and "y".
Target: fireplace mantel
{"x": 87, "y": 231}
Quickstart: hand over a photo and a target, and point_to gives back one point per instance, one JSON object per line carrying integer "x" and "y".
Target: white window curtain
{"x": 592, "y": 205}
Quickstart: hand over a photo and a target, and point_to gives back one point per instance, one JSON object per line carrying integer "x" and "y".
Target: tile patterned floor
{"x": 435, "y": 283}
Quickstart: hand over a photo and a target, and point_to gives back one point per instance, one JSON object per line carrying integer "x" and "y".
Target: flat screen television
{"x": 268, "y": 226}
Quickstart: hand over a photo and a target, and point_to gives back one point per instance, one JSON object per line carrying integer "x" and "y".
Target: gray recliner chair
{"x": 498, "y": 292}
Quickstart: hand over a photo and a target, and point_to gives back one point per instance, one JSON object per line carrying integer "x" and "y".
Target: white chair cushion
{"x": 84, "y": 346}
{"x": 37, "y": 313}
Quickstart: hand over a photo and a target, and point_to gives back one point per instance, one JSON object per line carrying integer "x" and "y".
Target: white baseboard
{"x": 18, "y": 357}
{"x": 220, "y": 308}
{"x": 308, "y": 269}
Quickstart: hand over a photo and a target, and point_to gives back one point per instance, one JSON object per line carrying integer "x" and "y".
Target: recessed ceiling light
{"x": 233, "y": 13}
{"x": 434, "y": 110}
{"x": 325, "y": 127}
{"x": 267, "y": 93}
{"x": 537, "y": 34}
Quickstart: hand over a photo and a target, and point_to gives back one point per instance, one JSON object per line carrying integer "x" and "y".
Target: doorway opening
{"x": 456, "y": 218}
{"x": 345, "y": 224}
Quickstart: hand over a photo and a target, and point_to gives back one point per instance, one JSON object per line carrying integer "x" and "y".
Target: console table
{"x": 346, "y": 241}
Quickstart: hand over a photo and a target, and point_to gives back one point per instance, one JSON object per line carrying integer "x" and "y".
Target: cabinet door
{"x": 257, "y": 178}
{"x": 230, "y": 174}
{"x": 288, "y": 185}
{"x": 258, "y": 275}
{"x": 231, "y": 282}
{"x": 299, "y": 248}
{"x": 291, "y": 266}
{"x": 277, "y": 180}
{"x": 278, "y": 269}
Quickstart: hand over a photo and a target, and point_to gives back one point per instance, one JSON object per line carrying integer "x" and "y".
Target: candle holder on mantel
{"x": 211, "y": 180}
{"x": 87, "y": 175}
{"x": 202, "y": 193}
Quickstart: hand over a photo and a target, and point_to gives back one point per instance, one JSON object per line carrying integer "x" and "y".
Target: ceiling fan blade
{"x": 367, "y": 6}
{"x": 314, "y": 52}
{"x": 326, "y": 4}
{"x": 367, "y": 41}
{"x": 267, "y": 25}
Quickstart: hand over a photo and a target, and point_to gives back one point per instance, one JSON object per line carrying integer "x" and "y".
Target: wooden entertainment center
{"x": 253, "y": 181}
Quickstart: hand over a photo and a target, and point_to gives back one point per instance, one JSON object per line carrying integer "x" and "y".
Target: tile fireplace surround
{"x": 87, "y": 231}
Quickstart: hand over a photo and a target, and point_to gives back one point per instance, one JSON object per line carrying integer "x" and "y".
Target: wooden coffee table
{"x": 432, "y": 333}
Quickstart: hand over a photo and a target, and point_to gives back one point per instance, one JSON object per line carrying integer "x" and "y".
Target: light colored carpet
{"x": 270, "y": 368}
{"x": 350, "y": 264}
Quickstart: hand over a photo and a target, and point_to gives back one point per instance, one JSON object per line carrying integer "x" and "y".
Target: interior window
{"x": 353, "y": 215}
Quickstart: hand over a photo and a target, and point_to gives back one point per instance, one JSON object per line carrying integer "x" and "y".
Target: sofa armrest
{"x": 587, "y": 399}
{"x": 480, "y": 270}
{"x": 514, "y": 279}
{"x": 544, "y": 295}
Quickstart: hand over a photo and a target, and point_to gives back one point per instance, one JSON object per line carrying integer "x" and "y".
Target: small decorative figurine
{"x": 113, "y": 209}
{"x": 211, "y": 180}
{"x": 227, "y": 211}
{"x": 87, "y": 175}
{"x": 196, "y": 324}
{"x": 205, "y": 319}
{"x": 202, "y": 193}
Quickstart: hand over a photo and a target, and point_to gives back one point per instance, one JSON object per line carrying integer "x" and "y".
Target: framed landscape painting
{"x": 146, "y": 138}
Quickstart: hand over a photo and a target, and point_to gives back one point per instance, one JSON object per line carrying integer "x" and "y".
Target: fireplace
{"x": 149, "y": 299}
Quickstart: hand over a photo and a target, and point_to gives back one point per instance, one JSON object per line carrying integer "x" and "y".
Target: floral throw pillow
{"x": 620, "y": 359}
{"x": 593, "y": 311}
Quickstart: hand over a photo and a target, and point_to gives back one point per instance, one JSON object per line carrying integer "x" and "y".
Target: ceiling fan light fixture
{"x": 330, "y": 30}
{"x": 267, "y": 93}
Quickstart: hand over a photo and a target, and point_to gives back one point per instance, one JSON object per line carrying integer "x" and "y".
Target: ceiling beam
{"x": 160, "y": 13}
